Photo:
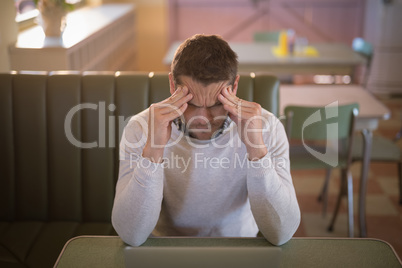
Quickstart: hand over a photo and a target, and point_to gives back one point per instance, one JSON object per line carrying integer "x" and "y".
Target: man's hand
{"x": 161, "y": 115}
{"x": 247, "y": 116}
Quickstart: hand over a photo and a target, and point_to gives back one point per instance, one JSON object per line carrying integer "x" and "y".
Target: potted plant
{"x": 52, "y": 15}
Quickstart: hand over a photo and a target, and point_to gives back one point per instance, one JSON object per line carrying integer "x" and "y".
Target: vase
{"x": 52, "y": 20}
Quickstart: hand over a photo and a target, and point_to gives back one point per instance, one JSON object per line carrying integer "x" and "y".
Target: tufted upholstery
{"x": 52, "y": 190}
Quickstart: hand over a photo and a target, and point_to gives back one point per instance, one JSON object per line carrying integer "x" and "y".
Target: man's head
{"x": 205, "y": 64}
{"x": 206, "y": 59}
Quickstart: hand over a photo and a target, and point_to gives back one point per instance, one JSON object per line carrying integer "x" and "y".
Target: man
{"x": 204, "y": 162}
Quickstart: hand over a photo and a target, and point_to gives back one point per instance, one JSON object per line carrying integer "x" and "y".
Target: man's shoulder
{"x": 268, "y": 115}
{"x": 139, "y": 121}
{"x": 271, "y": 122}
{"x": 141, "y": 116}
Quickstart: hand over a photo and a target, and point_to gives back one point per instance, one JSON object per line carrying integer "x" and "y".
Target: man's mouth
{"x": 206, "y": 127}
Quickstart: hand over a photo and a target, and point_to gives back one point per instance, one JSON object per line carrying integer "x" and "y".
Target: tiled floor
{"x": 384, "y": 214}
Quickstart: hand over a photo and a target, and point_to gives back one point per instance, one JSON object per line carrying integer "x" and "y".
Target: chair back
{"x": 319, "y": 123}
{"x": 333, "y": 125}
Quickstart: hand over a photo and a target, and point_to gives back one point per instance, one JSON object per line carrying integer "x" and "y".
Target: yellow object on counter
{"x": 283, "y": 43}
{"x": 308, "y": 51}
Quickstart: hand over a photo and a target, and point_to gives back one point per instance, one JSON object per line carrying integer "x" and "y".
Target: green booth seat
{"x": 59, "y": 158}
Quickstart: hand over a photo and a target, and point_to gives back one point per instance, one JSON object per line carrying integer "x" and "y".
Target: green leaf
{"x": 61, "y": 3}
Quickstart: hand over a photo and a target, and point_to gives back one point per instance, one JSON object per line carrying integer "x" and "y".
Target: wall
{"x": 8, "y": 32}
{"x": 383, "y": 29}
{"x": 152, "y": 33}
{"x": 238, "y": 20}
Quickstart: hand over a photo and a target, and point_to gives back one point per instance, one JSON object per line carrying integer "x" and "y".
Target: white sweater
{"x": 205, "y": 188}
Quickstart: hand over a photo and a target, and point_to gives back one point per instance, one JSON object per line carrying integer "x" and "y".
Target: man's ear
{"x": 236, "y": 84}
{"x": 171, "y": 84}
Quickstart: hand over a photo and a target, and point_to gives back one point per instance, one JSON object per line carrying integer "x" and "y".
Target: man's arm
{"x": 271, "y": 192}
{"x": 269, "y": 183}
{"x": 139, "y": 191}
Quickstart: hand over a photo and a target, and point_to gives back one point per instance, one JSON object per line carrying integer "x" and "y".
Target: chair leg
{"x": 400, "y": 182}
{"x": 324, "y": 192}
{"x": 338, "y": 202}
{"x": 350, "y": 203}
{"x": 346, "y": 188}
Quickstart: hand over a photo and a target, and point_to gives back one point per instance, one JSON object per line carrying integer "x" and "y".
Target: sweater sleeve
{"x": 139, "y": 189}
{"x": 271, "y": 192}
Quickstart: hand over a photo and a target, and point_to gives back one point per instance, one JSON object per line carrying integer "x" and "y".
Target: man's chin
{"x": 199, "y": 134}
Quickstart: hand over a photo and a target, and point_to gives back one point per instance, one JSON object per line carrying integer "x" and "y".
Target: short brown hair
{"x": 206, "y": 59}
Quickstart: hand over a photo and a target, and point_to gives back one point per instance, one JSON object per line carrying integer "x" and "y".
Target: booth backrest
{"x": 60, "y": 133}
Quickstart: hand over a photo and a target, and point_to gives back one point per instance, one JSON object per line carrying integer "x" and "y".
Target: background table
{"x": 87, "y": 251}
{"x": 333, "y": 59}
{"x": 370, "y": 112}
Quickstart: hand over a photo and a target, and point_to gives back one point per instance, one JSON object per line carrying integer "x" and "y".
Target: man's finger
{"x": 234, "y": 99}
{"x": 239, "y": 111}
{"x": 230, "y": 96}
{"x": 175, "y": 101}
{"x": 173, "y": 114}
{"x": 178, "y": 94}
{"x": 228, "y": 105}
{"x": 225, "y": 101}
{"x": 168, "y": 107}
{"x": 231, "y": 106}
{"x": 183, "y": 100}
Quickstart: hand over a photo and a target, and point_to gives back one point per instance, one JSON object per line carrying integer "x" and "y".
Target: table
{"x": 333, "y": 59}
{"x": 370, "y": 112}
{"x": 107, "y": 251}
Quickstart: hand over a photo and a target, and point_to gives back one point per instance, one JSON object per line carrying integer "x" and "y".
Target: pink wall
{"x": 237, "y": 20}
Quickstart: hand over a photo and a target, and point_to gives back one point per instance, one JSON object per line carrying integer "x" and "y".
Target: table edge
{"x": 170, "y": 237}
{"x": 384, "y": 116}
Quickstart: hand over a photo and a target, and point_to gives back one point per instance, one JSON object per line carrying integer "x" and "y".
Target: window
{"x": 27, "y": 12}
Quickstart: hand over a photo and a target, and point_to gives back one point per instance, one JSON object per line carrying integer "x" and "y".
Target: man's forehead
{"x": 204, "y": 100}
{"x": 204, "y": 95}
{"x": 208, "y": 104}
{"x": 185, "y": 79}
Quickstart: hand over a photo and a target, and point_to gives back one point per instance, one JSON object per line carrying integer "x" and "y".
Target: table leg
{"x": 367, "y": 144}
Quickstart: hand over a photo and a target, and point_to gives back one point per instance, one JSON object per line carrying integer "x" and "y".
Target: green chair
{"x": 322, "y": 138}
{"x": 382, "y": 150}
{"x": 270, "y": 36}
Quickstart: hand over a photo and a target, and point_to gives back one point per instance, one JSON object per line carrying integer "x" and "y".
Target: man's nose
{"x": 205, "y": 114}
